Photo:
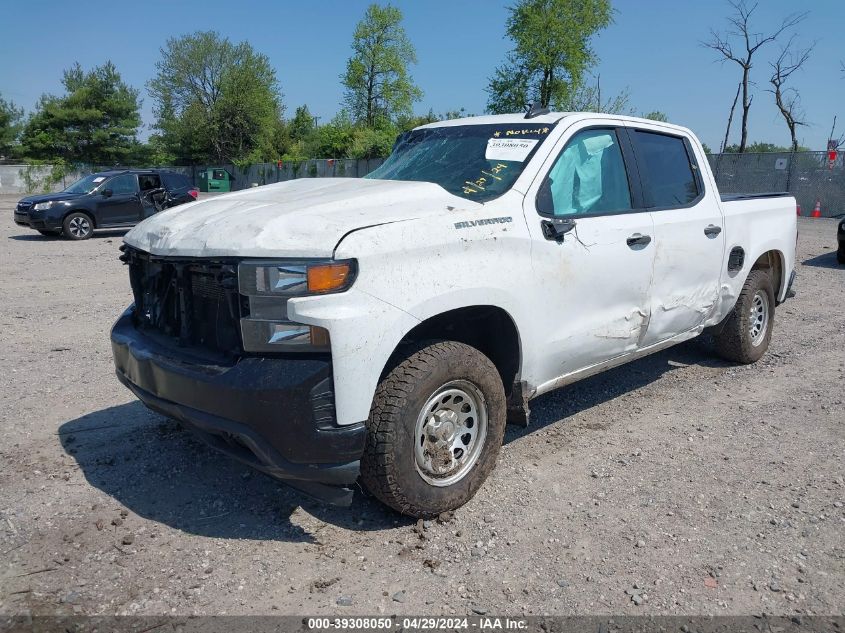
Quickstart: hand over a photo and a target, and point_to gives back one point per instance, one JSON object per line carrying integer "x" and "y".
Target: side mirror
{"x": 107, "y": 193}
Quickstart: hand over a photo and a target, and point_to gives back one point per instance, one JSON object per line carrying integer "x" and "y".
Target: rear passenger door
{"x": 688, "y": 231}
{"x": 177, "y": 186}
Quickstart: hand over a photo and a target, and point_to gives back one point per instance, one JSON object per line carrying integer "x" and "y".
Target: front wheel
{"x": 78, "y": 226}
{"x": 435, "y": 429}
{"x": 745, "y": 334}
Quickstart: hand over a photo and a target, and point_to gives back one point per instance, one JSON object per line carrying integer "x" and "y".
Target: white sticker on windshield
{"x": 99, "y": 179}
{"x": 516, "y": 149}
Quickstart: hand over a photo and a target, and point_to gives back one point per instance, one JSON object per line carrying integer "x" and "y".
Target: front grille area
{"x": 192, "y": 301}
{"x": 23, "y": 207}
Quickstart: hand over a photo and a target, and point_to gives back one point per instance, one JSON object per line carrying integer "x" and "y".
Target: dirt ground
{"x": 679, "y": 484}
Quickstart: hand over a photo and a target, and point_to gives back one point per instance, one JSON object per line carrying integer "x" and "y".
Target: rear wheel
{"x": 745, "y": 334}
{"x": 78, "y": 226}
{"x": 435, "y": 429}
{"x": 840, "y": 255}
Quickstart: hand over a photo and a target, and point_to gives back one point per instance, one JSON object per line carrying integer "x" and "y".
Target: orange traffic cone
{"x": 798, "y": 209}
{"x": 817, "y": 210}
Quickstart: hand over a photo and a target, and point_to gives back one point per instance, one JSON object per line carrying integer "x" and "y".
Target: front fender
{"x": 409, "y": 272}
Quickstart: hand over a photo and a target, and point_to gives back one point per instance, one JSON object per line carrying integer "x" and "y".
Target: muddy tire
{"x": 78, "y": 226}
{"x": 743, "y": 337}
{"x": 435, "y": 429}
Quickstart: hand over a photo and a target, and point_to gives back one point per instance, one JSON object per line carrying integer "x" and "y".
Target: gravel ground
{"x": 678, "y": 484}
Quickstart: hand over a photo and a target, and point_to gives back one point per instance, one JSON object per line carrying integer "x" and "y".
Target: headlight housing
{"x": 269, "y": 284}
{"x": 42, "y": 206}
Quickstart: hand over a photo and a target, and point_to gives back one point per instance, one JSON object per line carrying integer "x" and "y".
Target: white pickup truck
{"x": 382, "y": 330}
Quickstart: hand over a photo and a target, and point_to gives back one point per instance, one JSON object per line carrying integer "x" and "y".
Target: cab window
{"x": 125, "y": 183}
{"x": 587, "y": 178}
{"x": 671, "y": 176}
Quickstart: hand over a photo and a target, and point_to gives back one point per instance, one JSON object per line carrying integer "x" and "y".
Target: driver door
{"x": 123, "y": 205}
{"x": 593, "y": 252}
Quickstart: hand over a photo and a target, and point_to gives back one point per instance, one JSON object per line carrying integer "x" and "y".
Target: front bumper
{"x": 274, "y": 414}
{"x": 37, "y": 220}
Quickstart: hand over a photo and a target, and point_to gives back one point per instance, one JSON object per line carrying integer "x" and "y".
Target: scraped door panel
{"x": 686, "y": 271}
{"x": 690, "y": 238}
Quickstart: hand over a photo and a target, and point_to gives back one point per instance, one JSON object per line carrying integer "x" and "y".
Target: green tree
{"x": 378, "y": 85}
{"x": 372, "y": 142}
{"x": 333, "y": 140}
{"x": 657, "y": 115}
{"x": 11, "y": 118}
{"x": 95, "y": 122}
{"x": 216, "y": 101}
{"x": 551, "y": 52}
{"x": 301, "y": 126}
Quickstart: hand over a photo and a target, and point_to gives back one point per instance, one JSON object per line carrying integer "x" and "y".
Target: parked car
{"x": 323, "y": 330}
{"x": 840, "y": 238}
{"x": 105, "y": 200}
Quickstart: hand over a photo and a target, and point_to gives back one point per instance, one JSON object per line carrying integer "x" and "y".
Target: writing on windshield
{"x": 478, "y": 162}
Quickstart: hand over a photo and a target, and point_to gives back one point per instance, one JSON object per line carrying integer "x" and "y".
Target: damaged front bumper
{"x": 274, "y": 414}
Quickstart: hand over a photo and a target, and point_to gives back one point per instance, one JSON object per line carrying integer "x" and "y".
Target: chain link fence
{"x": 809, "y": 176}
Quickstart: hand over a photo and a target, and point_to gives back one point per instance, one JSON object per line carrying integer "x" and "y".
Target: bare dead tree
{"x": 730, "y": 118}
{"x": 832, "y": 141}
{"x": 788, "y": 99}
{"x": 742, "y": 53}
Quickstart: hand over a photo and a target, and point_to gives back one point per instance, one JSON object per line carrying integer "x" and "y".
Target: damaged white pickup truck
{"x": 383, "y": 329}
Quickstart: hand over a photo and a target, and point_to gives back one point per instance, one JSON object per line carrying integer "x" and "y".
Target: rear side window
{"x": 149, "y": 181}
{"x": 671, "y": 178}
{"x": 175, "y": 181}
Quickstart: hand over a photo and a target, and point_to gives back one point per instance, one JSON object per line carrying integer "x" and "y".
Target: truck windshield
{"x": 478, "y": 162}
{"x": 86, "y": 185}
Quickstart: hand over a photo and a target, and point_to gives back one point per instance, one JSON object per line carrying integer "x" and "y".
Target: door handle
{"x": 638, "y": 240}
{"x": 712, "y": 230}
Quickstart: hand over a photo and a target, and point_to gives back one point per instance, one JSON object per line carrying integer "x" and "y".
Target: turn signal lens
{"x": 328, "y": 277}
{"x": 295, "y": 278}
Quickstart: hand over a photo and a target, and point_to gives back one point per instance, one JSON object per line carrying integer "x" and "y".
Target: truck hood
{"x": 297, "y": 218}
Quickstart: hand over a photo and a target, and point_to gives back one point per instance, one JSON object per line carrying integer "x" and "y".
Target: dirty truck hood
{"x": 298, "y": 218}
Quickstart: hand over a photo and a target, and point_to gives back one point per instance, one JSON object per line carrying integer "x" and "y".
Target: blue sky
{"x": 652, "y": 50}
